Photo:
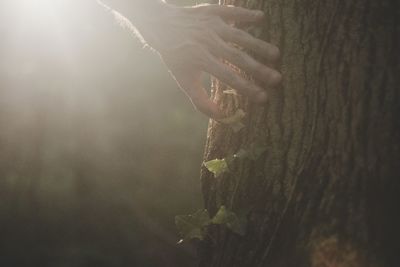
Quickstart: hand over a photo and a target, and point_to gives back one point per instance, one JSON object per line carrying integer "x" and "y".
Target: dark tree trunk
{"x": 326, "y": 191}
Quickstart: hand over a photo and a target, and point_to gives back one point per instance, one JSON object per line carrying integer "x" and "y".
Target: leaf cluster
{"x": 220, "y": 166}
{"x": 193, "y": 226}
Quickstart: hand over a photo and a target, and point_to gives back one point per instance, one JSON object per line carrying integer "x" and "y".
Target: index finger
{"x": 189, "y": 81}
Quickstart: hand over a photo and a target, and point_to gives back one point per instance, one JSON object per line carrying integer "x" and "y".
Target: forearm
{"x": 193, "y": 40}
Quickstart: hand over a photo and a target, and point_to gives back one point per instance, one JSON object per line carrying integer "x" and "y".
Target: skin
{"x": 193, "y": 40}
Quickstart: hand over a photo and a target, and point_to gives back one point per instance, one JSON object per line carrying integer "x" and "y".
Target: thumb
{"x": 190, "y": 83}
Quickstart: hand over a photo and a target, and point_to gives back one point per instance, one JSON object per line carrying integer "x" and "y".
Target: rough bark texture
{"x": 325, "y": 193}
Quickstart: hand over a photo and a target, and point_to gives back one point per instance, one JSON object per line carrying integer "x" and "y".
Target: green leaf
{"x": 234, "y": 121}
{"x": 241, "y": 154}
{"x": 192, "y": 226}
{"x": 229, "y": 218}
{"x": 217, "y": 166}
{"x": 253, "y": 152}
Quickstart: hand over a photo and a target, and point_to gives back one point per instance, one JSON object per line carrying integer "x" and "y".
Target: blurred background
{"x": 99, "y": 149}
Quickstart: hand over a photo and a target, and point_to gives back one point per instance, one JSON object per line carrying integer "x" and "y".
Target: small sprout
{"x": 253, "y": 152}
{"x": 220, "y": 166}
{"x": 229, "y": 218}
{"x": 217, "y": 166}
{"x": 192, "y": 226}
{"x": 241, "y": 154}
{"x": 234, "y": 121}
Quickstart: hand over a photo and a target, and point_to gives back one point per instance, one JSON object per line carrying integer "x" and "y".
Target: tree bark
{"x": 325, "y": 191}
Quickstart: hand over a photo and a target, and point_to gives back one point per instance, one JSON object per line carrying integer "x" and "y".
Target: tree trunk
{"x": 324, "y": 192}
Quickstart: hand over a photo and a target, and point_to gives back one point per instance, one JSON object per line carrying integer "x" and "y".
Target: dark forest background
{"x": 99, "y": 150}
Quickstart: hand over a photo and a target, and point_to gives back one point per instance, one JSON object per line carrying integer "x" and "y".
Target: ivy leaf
{"x": 241, "y": 154}
{"x": 229, "y": 218}
{"x": 253, "y": 152}
{"x": 217, "y": 166}
{"x": 234, "y": 121}
{"x": 192, "y": 226}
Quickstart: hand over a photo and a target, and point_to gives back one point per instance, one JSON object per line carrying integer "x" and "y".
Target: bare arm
{"x": 192, "y": 40}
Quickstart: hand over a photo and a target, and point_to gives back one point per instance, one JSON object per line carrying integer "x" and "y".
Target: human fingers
{"x": 239, "y": 58}
{"x": 266, "y": 50}
{"x": 202, "y": 102}
{"x": 190, "y": 82}
{"x": 226, "y": 74}
{"x": 231, "y": 13}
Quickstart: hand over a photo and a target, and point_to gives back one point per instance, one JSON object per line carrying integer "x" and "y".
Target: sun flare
{"x": 37, "y": 10}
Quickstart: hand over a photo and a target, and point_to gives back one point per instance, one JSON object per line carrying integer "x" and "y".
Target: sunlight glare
{"x": 39, "y": 30}
{"x": 38, "y": 11}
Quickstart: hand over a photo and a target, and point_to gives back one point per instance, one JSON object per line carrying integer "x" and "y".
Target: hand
{"x": 194, "y": 40}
